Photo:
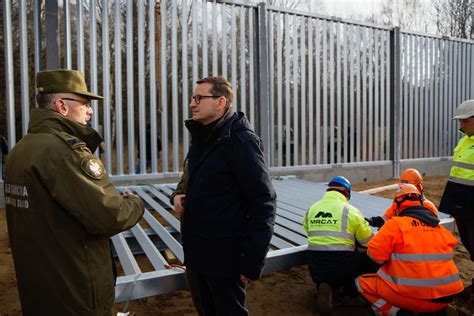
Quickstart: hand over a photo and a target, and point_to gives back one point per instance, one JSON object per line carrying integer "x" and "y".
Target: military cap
{"x": 63, "y": 81}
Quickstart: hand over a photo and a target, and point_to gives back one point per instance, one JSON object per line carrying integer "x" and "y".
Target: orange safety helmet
{"x": 412, "y": 176}
{"x": 406, "y": 189}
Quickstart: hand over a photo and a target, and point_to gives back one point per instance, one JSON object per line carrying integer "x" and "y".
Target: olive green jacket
{"x": 61, "y": 210}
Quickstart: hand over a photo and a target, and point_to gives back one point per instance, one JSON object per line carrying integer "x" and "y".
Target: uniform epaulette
{"x": 72, "y": 141}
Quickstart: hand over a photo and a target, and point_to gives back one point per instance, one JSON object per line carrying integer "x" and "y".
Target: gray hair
{"x": 46, "y": 100}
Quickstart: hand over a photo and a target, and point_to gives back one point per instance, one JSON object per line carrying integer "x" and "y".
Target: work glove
{"x": 375, "y": 221}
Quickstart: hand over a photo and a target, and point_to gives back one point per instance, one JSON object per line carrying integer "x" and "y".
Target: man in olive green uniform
{"x": 61, "y": 206}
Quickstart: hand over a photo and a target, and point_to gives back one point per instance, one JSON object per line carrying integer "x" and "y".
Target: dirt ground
{"x": 290, "y": 292}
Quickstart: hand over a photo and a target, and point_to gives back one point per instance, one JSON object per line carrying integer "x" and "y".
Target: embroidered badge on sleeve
{"x": 93, "y": 167}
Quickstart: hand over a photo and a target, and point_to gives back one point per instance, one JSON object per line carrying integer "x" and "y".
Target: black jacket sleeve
{"x": 253, "y": 178}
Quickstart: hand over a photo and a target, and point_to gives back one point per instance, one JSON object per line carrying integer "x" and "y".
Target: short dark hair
{"x": 46, "y": 100}
{"x": 220, "y": 87}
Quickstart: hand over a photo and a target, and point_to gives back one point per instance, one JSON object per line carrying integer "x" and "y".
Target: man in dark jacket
{"x": 226, "y": 200}
{"x": 61, "y": 207}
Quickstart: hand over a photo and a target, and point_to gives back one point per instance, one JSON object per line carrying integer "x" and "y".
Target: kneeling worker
{"x": 410, "y": 176}
{"x": 333, "y": 227}
{"x": 416, "y": 253}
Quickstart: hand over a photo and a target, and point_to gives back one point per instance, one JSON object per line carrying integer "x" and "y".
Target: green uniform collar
{"x": 49, "y": 121}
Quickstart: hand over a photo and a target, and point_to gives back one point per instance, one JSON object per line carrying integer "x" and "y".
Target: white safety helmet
{"x": 464, "y": 110}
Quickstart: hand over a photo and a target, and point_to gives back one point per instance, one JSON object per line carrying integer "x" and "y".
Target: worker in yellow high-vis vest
{"x": 335, "y": 230}
{"x": 458, "y": 197}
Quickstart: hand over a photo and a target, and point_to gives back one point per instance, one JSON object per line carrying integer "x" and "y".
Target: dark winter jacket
{"x": 230, "y": 201}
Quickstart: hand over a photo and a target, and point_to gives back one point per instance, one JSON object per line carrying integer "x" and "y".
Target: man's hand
{"x": 178, "y": 202}
{"x": 244, "y": 279}
{"x": 127, "y": 193}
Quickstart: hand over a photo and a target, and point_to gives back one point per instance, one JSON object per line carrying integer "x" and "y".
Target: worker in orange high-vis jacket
{"x": 416, "y": 253}
{"x": 410, "y": 176}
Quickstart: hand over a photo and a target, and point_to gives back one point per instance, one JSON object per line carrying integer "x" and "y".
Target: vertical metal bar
{"x": 215, "y": 70}
{"x": 25, "y": 93}
{"x": 303, "y": 91}
{"x": 345, "y": 85}
{"x": 324, "y": 33}
{"x": 9, "y": 80}
{"x": 52, "y": 32}
{"x": 67, "y": 35}
{"x": 195, "y": 43}
{"x": 427, "y": 118}
{"x": 141, "y": 87}
{"x": 295, "y": 92}
{"x": 352, "y": 81}
{"x": 152, "y": 63}
{"x": 446, "y": 92}
{"x": 279, "y": 91}
{"x": 435, "y": 93}
{"x": 252, "y": 69}
{"x": 318, "y": 92}
{"x": 164, "y": 81}
{"x": 395, "y": 99}
{"x": 405, "y": 128}
{"x": 287, "y": 91}
{"x": 412, "y": 95}
{"x": 93, "y": 62}
{"x": 416, "y": 130}
{"x": 364, "y": 94}
{"x": 370, "y": 113}
{"x": 130, "y": 90}
{"x": 106, "y": 86}
{"x": 80, "y": 37}
{"x": 118, "y": 87}
{"x": 243, "y": 85}
{"x": 37, "y": 33}
{"x": 184, "y": 57}
{"x": 331, "y": 93}
{"x": 234, "y": 55}
{"x": 174, "y": 84}
{"x": 310, "y": 94}
{"x": 224, "y": 41}
{"x": 338, "y": 136}
{"x": 452, "y": 94}
{"x": 433, "y": 109}
{"x": 388, "y": 114}
{"x": 205, "y": 67}
{"x": 376, "y": 98}
{"x": 271, "y": 69}
{"x": 358, "y": 96}
{"x": 383, "y": 76}
{"x": 421, "y": 78}
{"x": 263, "y": 84}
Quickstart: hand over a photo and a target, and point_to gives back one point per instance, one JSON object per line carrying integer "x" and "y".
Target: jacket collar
{"x": 49, "y": 121}
{"x": 334, "y": 195}
{"x": 416, "y": 210}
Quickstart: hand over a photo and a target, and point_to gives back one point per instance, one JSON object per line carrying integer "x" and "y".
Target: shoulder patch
{"x": 72, "y": 141}
{"x": 93, "y": 167}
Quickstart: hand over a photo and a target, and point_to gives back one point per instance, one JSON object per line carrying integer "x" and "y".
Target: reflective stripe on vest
{"x": 464, "y": 165}
{"x": 421, "y": 257}
{"x": 366, "y": 240}
{"x": 331, "y": 247}
{"x": 461, "y": 181}
{"x": 419, "y": 282}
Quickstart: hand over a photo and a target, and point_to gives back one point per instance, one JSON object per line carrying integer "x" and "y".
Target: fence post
{"x": 52, "y": 31}
{"x": 262, "y": 86}
{"x": 395, "y": 100}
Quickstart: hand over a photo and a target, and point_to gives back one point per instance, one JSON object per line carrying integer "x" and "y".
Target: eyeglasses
{"x": 83, "y": 102}
{"x": 197, "y": 98}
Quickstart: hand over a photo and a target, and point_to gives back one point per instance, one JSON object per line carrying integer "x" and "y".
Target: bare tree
{"x": 454, "y": 18}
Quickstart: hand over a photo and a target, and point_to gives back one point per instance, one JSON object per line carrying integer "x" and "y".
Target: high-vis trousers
{"x": 385, "y": 301}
